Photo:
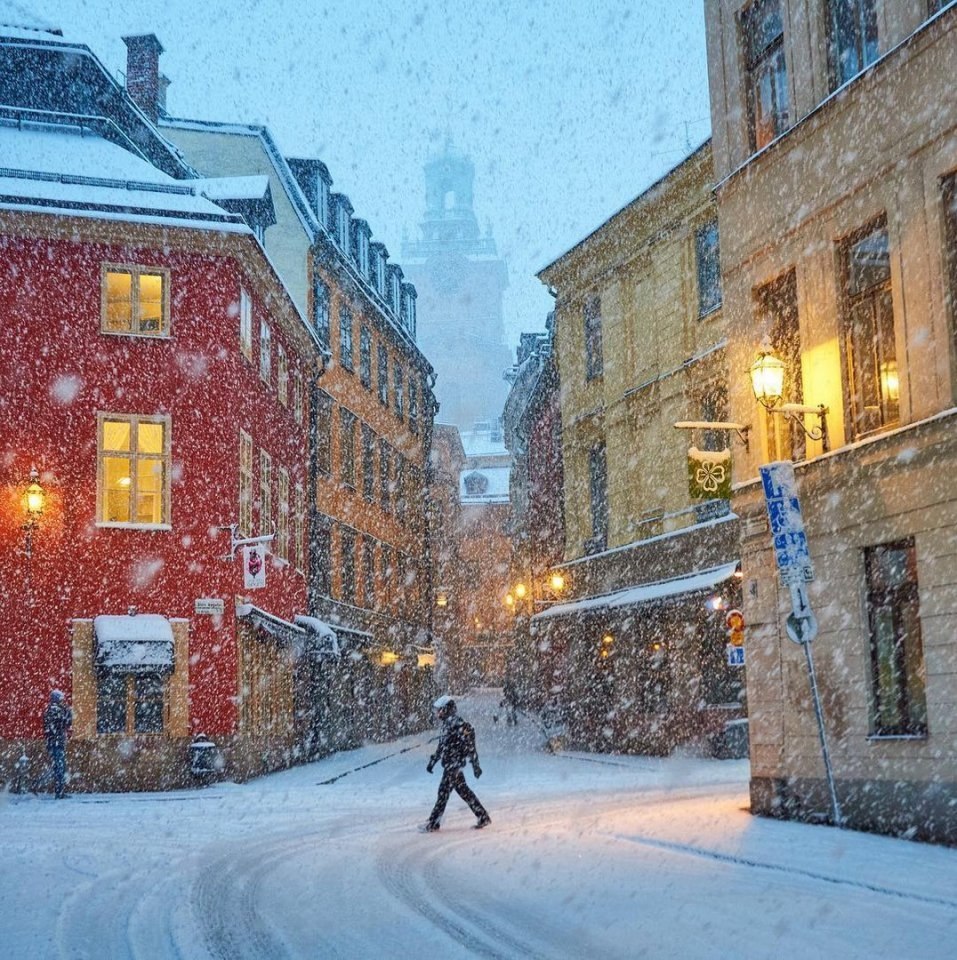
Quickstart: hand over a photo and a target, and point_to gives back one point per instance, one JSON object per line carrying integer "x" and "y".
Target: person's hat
{"x": 443, "y": 701}
{"x": 56, "y": 696}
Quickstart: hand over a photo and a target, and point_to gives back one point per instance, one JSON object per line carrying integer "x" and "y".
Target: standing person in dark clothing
{"x": 456, "y": 748}
{"x": 57, "y": 720}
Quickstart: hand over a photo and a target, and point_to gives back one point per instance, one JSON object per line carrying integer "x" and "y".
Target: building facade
{"x": 460, "y": 280}
{"x": 135, "y": 401}
{"x": 373, "y": 411}
{"x": 835, "y": 154}
{"x": 648, "y": 571}
{"x": 532, "y": 432}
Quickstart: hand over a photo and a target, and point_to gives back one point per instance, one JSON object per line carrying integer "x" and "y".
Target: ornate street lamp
{"x": 34, "y": 503}
{"x": 767, "y": 384}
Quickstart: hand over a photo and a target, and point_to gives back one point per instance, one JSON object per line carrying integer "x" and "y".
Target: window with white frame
{"x": 245, "y": 484}
{"x": 135, "y": 300}
{"x": 282, "y": 527}
{"x": 282, "y": 376}
{"x": 322, "y": 201}
{"x": 365, "y": 356}
{"x": 345, "y": 337}
{"x": 398, "y": 388}
{"x": 708, "y": 264}
{"x": 298, "y": 529}
{"x": 320, "y": 308}
{"x": 133, "y": 469}
{"x": 265, "y": 351}
{"x": 265, "y": 493}
{"x": 382, "y": 374}
{"x": 298, "y": 411}
{"x": 245, "y": 324}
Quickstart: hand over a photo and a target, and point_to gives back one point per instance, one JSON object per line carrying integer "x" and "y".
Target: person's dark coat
{"x": 57, "y": 720}
{"x": 456, "y": 746}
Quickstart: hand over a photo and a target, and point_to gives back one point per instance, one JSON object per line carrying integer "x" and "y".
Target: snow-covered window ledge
{"x": 879, "y": 737}
{"x": 106, "y": 524}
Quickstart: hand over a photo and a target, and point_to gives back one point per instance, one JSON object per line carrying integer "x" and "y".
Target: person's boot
{"x": 483, "y": 821}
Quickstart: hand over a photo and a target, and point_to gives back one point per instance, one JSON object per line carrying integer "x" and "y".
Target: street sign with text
{"x": 787, "y": 524}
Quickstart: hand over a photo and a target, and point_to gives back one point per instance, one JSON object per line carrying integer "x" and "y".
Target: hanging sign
{"x": 709, "y": 474}
{"x": 254, "y": 567}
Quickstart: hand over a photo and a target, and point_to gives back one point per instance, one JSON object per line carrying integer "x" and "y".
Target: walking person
{"x": 456, "y": 748}
{"x": 57, "y": 720}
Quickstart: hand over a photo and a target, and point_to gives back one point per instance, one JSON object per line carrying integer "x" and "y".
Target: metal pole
{"x": 835, "y": 806}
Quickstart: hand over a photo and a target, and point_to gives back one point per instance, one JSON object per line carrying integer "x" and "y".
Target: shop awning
{"x": 661, "y": 590}
{"x": 325, "y": 640}
{"x": 142, "y": 643}
{"x": 276, "y": 626}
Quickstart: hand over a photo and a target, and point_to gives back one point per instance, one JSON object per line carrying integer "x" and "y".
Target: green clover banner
{"x": 709, "y": 474}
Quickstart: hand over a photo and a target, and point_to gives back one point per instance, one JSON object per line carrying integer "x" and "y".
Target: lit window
{"x": 135, "y": 301}
{"x": 245, "y": 324}
{"x": 134, "y": 468}
{"x": 869, "y": 344}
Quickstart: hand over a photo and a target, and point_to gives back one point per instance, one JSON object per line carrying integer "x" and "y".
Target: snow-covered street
{"x": 587, "y": 856}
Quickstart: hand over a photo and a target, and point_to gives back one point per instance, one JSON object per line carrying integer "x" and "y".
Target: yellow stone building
{"x": 648, "y": 571}
{"x": 835, "y": 151}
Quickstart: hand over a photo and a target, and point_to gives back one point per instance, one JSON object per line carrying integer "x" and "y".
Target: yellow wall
{"x": 642, "y": 264}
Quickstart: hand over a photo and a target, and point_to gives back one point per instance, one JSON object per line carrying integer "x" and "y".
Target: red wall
{"x": 56, "y": 371}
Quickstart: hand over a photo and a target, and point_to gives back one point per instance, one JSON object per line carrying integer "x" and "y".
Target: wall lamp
{"x": 767, "y": 383}
{"x": 34, "y": 503}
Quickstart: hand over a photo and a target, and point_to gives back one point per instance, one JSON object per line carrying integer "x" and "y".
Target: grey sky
{"x": 568, "y": 108}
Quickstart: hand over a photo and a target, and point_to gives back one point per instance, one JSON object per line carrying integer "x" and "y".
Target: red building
{"x": 155, "y": 374}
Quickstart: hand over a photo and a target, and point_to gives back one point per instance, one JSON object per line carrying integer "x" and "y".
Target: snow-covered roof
{"x": 269, "y": 622}
{"x": 233, "y": 188}
{"x": 72, "y": 169}
{"x": 484, "y": 442}
{"x": 699, "y": 580}
{"x": 484, "y": 485}
{"x": 322, "y": 630}
{"x": 143, "y": 642}
{"x": 15, "y": 16}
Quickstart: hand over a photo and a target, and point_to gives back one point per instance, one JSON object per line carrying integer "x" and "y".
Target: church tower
{"x": 460, "y": 280}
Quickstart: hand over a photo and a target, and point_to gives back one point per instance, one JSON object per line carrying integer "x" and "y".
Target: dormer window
{"x": 362, "y": 247}
{"x": 408, "y": 307}
{"x": 344, "y": 229}
{"x": 322, "y": 201}
{"x": 380, "y": 273}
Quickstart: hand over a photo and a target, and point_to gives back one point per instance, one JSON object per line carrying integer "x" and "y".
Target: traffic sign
{"x": 735, "y": 655}
{"x": 787, "y": 524}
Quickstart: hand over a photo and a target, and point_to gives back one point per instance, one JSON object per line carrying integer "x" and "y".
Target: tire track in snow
{"x": 226, "y": 896}
{"x": 693, "y": 851}
{"x": 400, "y": 872}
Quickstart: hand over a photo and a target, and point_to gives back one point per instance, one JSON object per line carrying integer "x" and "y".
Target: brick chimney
{"x": 142, "y": 72}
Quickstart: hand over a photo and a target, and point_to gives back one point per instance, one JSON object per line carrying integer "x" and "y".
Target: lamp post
{"x": 34, "y": 503}
{"x": 767, "y": 384}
